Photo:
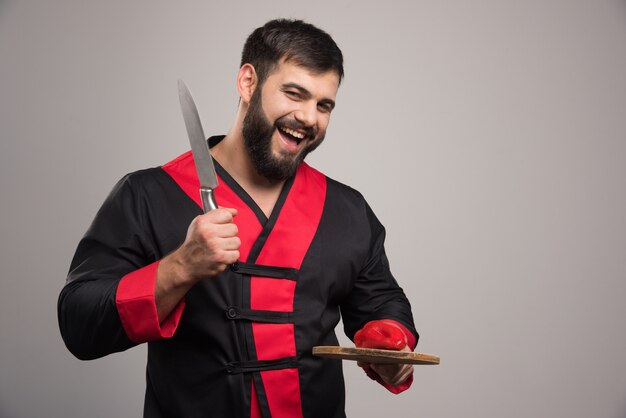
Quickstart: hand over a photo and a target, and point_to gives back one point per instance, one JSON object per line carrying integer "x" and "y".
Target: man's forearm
{"x": 171, "y": 285}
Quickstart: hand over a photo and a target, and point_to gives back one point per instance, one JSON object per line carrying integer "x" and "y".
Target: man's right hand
{"x": 210, "y": 246}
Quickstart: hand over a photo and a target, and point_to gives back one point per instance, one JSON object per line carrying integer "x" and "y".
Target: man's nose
{"x": 307, "y": 114}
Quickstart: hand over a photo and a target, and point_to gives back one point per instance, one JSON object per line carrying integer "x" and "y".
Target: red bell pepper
{"x": 380, "y": 334}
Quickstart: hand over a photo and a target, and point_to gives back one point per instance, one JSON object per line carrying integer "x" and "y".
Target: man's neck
{"x": 232, "y": 155}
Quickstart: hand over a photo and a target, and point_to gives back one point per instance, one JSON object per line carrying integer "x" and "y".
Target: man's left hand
{"x": 392, "y": 374}
{"x": 386, "y": 335}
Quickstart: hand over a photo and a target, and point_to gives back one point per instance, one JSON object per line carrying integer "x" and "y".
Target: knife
{"x": 199, "y": 148}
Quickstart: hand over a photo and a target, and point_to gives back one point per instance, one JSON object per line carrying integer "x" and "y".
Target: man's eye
{"x": 325, "y": 108}
{"x": 293, "y": 94}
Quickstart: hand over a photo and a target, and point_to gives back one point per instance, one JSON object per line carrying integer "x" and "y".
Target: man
{"x": 231, "y": 302}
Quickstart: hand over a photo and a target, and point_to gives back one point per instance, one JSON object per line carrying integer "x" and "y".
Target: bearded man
{"x": 231, "y": 302}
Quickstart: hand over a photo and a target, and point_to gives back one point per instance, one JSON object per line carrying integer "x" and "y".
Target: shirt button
{"x": 231, "y": 312}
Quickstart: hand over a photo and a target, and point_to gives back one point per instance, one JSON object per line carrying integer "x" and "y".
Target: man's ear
{"x": 247, "y": 82}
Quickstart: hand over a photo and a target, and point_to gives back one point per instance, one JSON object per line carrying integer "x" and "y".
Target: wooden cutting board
{"x": 373, "y": 355}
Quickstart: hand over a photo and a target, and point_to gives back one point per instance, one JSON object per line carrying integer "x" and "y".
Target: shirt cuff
{"x": 137, "y": 307}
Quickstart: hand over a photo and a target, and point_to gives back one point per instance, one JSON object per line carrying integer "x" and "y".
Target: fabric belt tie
{"x": 236, "y": 367}
{"x": 257, "y": 315}
{"x": 265, "y": 271}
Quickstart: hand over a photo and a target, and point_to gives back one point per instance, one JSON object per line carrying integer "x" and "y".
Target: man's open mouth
{"x": 292, "y": 134}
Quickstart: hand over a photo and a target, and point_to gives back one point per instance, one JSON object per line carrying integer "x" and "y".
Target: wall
{"x": 488, "y": 136}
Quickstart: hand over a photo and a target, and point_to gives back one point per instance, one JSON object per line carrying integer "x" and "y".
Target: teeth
{"x": 293, "y": 133}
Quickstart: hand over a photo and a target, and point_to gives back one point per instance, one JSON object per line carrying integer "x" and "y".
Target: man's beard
{"x": 257, "y": 137}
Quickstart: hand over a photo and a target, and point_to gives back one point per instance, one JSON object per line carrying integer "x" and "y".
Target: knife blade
{"x": 199, "y": 148}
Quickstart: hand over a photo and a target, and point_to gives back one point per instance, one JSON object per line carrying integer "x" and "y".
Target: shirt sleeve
{"x": 377, "y": 295}
{"x": 107, "y": 304}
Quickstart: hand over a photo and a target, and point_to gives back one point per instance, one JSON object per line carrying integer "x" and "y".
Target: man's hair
{"x": 292, "y": 41}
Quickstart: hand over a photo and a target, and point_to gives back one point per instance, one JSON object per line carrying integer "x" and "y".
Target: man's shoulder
{"x": 340, "y": 192}
{"x": 151, "y": 174}
{"x": 156, "y": 180}
{"x": 343, "y": 189}
{"x": 141, "y": 177}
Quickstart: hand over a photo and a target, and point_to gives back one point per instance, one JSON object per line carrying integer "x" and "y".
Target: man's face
{"x": 287, "y": 118}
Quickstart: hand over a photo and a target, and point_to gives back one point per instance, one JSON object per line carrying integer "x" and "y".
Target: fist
{"x": 211, "y": 244}
{"x": 380, "y": 334}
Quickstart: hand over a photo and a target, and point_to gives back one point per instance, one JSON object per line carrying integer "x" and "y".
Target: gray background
{"x": 488, "y": 136}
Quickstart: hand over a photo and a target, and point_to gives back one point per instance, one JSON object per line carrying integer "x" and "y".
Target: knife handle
{"x": 208, "y": 199}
